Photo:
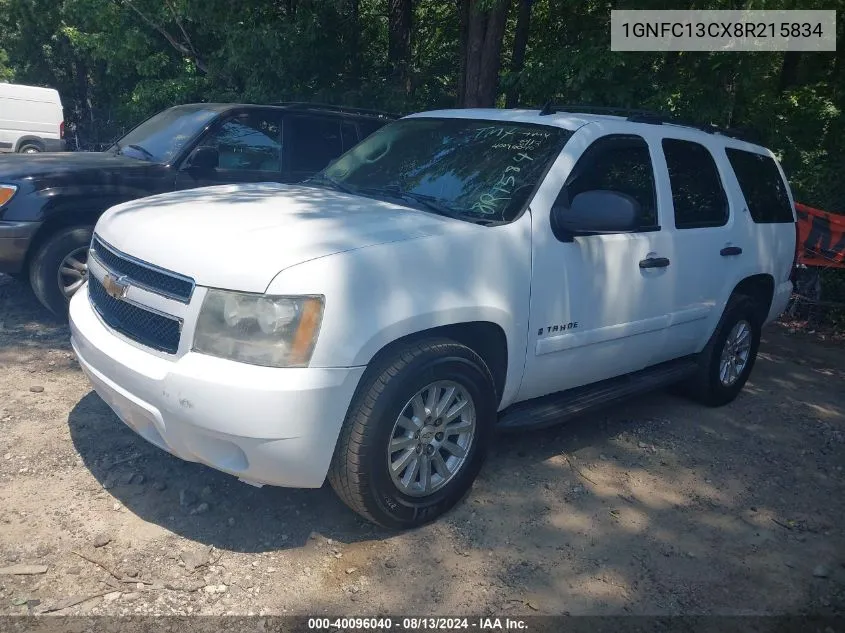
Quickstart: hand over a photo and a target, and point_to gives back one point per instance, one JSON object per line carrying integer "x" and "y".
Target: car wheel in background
{"x": 59, "y": 267}
{"x": 30, "y": 147}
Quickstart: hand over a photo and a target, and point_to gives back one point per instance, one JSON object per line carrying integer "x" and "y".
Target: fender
{"x": 378, "y": 294}
{"x": 28, "y": 138}
{"x": 97, "y": 199}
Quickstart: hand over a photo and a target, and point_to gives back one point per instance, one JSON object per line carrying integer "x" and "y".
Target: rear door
{"x": 8, "y": 135}
{"x": 249, "y": 144}
{"x": 706, "y": 249}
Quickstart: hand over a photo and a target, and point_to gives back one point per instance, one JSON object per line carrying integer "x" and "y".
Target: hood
{"x": 239, "y": 237}
{"x": 20, "y": 166}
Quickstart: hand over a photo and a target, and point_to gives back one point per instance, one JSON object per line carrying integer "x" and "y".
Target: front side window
{"x": 483, "y": 171}
{"x": 761, "y": 185}
{"x": 619, "y": 163}
{"x": 161, "y": 137}
{"x": 249, "y": 142}
{"x": 697, "y": 193}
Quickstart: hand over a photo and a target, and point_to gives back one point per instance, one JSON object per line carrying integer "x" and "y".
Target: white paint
{"x": 387, "y": 271}
{"x": 28, "y": 111}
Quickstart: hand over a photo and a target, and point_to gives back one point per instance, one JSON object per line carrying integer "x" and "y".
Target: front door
{"x": 599, "y": 303}
{"x": 249, "y": 146}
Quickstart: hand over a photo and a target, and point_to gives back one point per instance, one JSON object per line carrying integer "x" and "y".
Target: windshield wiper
{"x": 429, "y": 202}
{"x": 145, "y": 152}
{"x": 331, "y": 182}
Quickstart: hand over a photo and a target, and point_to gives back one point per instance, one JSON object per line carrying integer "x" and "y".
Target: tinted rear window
{"x": 697, "y": 193}
{"x": 762, "y": 185}
{"x": 367, "y": 126}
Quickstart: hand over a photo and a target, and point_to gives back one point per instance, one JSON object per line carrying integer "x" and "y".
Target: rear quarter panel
{"x": 768, "y": 248}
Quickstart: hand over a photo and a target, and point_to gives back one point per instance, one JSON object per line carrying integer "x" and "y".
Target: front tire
{"x": 416, "y": 434}
{"x": 59, "y": 267}
{"x": 725, "y": 364}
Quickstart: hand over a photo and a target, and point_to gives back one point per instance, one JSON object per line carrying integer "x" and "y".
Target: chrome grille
{"x": 160, "y": 281}
{"x": 147, "y": 328}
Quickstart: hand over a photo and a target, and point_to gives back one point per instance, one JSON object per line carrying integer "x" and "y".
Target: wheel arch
{"x": 64, "y": 209}
{"x": 55, "y": 223}
{"x": 485, "y": 338}
{"x": 34, "y": 140}
{"x": 760, "y": 289}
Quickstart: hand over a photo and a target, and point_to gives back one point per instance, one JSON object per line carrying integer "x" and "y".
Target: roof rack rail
{"x": 658, "y": 118}
{"x": 654, "y": 118}
{"x": 308, "y": 105}
{"x": 550, "y": 108}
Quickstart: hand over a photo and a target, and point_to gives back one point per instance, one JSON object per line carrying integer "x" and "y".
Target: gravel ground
{"x": 658, "y": 506}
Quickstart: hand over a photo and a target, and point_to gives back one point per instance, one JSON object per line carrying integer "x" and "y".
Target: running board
{"x": 559, "y": 407}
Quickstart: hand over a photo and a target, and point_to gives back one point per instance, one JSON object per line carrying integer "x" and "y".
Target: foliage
{"x": 116, "y": 62}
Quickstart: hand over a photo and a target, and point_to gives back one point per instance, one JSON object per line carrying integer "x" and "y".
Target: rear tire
{"x": 365, "y": 471}
{"x": 720, "y": 375}
{"x": 30, "y": 147}
{"x": 65, "y": 249}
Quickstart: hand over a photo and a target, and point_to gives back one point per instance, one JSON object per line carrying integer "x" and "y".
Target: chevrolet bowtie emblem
{"x": 116, "y": 287}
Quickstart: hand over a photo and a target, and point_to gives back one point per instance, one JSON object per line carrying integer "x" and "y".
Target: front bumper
{"x": 264, "y": 425}
{"x": 15, "y": 238}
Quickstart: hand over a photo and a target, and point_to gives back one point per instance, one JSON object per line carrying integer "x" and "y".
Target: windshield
{"x": 482, "y": 171}
{"x": 160, "y": 138}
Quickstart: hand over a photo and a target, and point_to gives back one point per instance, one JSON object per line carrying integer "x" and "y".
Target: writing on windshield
{"x": 474, "y": 168}
{"x": 521, "y": 144}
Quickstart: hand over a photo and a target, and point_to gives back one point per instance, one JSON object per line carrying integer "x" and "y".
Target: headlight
{"x": 6, "y": 193}
{"x": 259, "y": 329}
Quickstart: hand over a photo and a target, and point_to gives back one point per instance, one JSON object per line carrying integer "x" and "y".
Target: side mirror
{"x": 203, "y": 158}
{"x": 596, "y": 211}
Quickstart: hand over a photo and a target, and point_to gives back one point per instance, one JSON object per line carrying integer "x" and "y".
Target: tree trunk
{"x": 789, "y": 70}
{"x": 520, "y": 40}
{"x": 484, "y": 33}
{"x": 463, "y": 28}
{"x": 354, "y": 41}
{"x": 399, "y": 41}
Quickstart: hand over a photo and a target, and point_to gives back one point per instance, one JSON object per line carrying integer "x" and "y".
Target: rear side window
{"x": 349, "y": 135}
{"x": 762, "y": 185}
{"x": 697, "y": 193}
{"x": 314, "y": 143}
{"x": 620, "y": 163}
{"x": 368, "y": 126}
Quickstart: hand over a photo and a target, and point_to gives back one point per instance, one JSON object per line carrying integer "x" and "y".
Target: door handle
{"x": 654, "y": 262}
{"x": 730, "y": 250}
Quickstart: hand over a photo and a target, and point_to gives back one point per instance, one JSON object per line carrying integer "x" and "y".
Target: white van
{"x": 31, "y": 119}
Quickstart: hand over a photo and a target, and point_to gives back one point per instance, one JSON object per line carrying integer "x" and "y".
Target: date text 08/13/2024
{"x": 417, "y": 624}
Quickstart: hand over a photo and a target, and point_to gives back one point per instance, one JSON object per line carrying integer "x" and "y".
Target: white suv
{"x": 458, "y": 272}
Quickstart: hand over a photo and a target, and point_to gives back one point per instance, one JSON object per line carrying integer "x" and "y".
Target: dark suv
{"x": 49, "y": 203}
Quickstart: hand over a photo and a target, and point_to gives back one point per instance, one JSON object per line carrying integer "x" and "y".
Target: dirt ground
{"x": 658, "y": 506}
